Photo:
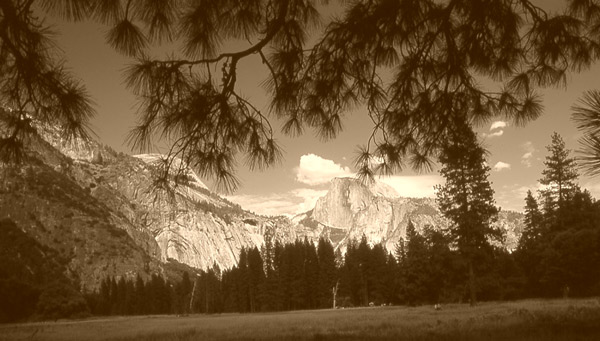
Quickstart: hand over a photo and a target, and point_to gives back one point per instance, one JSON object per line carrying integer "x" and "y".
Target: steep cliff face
{"x": 192, "y": 225}
{"x": 100, "y": 211}
{"x": 351, "y": 209}
{"x": 90, "y": 239}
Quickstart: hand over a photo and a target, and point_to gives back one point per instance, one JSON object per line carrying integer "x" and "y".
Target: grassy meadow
{"x": 571, "y": 319}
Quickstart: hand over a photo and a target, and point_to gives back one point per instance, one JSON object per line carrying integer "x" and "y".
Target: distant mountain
{"x": 351, "y": 209}
{"x": 100, "y": 213}
{"x": 49, "y": 201}
{"x": 195, "y": 226}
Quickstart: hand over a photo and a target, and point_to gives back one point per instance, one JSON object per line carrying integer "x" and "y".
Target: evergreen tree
{"x": 311, "y": 274}
{"x": 391, "y": 280}
{"x": 362, "y": 253}
{"x": 571, "y": 257}
{"x": 183, "y": 292}
{"x": 467, "y": 200}
{"x": 439, "y": 266}
{"x": 140, "y": 296}
{"x": 114, "y": 296}
{"x": 559, "y": 176}
{"x": 400, "y": 254}
{"x": 129, "y": 297}
{"x": 415, "y": 267}
{"x": 275, "y": 285}
{"x": 530, "y": 247}
{"x": 256, "y": 279}
{"x": 327, "y": 273}
{"x": 104, "y": 299}
{"x": 294, "y": 281}
{"x": 377, "y": 274}
{"x": 229, "y": 288}
{"x": 350, "y": 278}
{"x": 440, "y": 49}
{"x": 121, "y": 297}
{"x": 586, "y": 116}
{"x": 243, "y": 282}
{"x": 532, "y": 221}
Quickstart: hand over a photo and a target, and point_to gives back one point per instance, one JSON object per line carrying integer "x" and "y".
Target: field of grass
{"x": 523, "y": 320}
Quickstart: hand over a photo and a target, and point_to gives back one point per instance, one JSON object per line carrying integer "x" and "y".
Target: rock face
{"x": 350, "y": 210}
{"x": 195, "y": 226}
{"x": 192, "y": 225}
{"x": 43, "y": 199}
{"x": 100, "y": 211}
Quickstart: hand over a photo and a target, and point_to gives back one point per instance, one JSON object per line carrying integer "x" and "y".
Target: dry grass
{"x": 523, "y": 320}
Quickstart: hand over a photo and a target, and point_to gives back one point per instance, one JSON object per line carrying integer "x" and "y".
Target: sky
{"x": 516, "y": 154}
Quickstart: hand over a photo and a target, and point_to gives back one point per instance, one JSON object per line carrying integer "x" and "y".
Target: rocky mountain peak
{"x": 198, "y": 227}
{"x": 351, "y": 209}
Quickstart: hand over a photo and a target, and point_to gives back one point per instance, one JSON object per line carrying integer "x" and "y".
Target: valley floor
{"x": 570, "y": 319}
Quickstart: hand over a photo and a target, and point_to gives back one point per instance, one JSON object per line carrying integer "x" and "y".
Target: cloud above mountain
{"x": 500, "y": 166}
{"x": 314, "y": 170}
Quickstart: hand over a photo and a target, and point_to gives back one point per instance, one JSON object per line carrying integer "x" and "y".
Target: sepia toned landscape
{"x": 299, "y": 169}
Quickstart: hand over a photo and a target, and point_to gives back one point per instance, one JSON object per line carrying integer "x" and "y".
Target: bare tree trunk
{"x": 193, "y": 292}
{"x": 472, "y": 293}
{"x": 334, "y": 290}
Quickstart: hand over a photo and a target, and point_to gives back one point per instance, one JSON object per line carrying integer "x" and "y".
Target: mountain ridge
{"x": 94, "y": 198}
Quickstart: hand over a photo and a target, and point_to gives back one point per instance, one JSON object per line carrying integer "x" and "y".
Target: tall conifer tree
{"x": 532, "y": 220}
{"x": 559, "y": 176}
{"x": 327, "y": 273}
{"x": 467, "y": 199}
{"x": 415, "y": 266}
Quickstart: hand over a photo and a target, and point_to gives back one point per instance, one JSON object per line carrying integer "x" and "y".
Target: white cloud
{"x": 417, "y": 186}
{"x": 494, "y": 134}
{"x": 500, "y": 166}
{"x": 315, "y": 170}
{"x": 498, "y": 125}
{"x": 529, "y": 150}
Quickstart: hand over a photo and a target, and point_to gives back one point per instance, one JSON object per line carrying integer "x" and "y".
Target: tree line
{"x": 558, "y": 255}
